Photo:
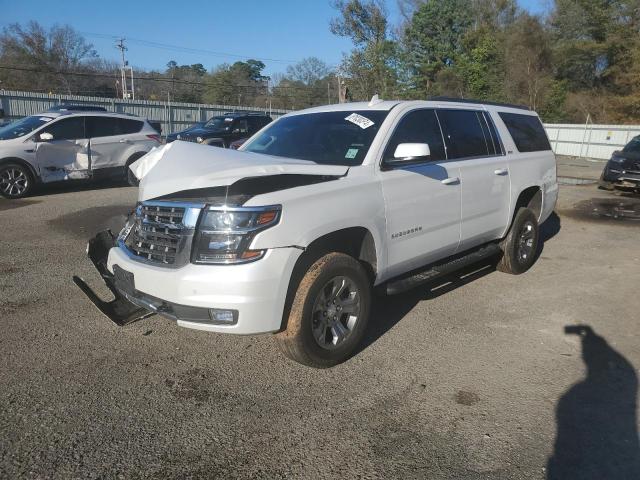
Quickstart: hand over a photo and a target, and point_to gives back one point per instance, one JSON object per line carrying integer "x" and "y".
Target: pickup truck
{"x": 293, "y": 233}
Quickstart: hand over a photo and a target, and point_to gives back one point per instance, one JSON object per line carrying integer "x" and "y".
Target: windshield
{"x": 22, "y": 127}
{"x": 328, "y": 138}
{"x": 219, "y": 123}
{"x": 633, "y": 145}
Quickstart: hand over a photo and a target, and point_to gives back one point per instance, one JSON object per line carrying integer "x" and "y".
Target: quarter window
{"x": 129, "y": 126}
{"x": 419, "y": 126}
{"x": 463, "y": 133}
{"x": 527, "y": 132}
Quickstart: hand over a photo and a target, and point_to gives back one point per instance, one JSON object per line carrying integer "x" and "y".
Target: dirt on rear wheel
{"x": 520, "y": 246}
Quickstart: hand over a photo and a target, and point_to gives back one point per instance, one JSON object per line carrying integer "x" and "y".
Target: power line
{"x": 149, "y": 79}
{"x": 180, "y": 49}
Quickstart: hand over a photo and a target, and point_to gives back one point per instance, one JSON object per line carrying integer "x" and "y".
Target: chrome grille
{"x": 162, "y": 233}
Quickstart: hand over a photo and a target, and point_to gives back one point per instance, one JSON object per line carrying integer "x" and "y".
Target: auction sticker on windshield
{"x": 362, "y": 122}
{"x": 351, "y": 153}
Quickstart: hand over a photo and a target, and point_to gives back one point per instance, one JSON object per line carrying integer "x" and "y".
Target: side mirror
{"x": 45, "y": 137}
{"x": 406, "y": 152}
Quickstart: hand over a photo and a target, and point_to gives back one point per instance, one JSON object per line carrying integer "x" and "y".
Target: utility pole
{"x": 123, "y": 71}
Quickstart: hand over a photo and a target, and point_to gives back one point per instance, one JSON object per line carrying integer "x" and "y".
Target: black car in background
{"x": 174, "y": 136}
{"x": 623, "y": 169}
{"x": 222, "y": 130}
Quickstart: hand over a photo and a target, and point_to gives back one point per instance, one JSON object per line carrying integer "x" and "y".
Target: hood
{"x": 632, "y": 155}
{"x": 180, "y": 166}
{"x": 201, "y": 131}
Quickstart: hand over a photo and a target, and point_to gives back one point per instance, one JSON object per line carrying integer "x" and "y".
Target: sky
{"x": 278, "y": 32}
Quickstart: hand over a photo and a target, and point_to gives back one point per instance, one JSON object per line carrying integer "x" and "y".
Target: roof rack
{"x": 481, "y": 102}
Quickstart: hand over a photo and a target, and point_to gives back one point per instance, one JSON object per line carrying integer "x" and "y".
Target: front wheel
{"x": 15, "y": 180}
{"x": 521, "y": 244}
{"x": 329, "y": 312}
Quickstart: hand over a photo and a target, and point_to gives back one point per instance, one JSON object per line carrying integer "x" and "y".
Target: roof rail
{"x": 481, "y": 102}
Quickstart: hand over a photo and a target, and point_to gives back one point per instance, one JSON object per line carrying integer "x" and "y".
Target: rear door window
{"x": 527, "y": 132}
{"x": 102, "y": 126}
{"x": 463, "y": 133}
{"x": 418, "y": 126}
{"x": 67, "y": 129}
{"x": 241, "y": 126}
{"x": 112, "y": 126}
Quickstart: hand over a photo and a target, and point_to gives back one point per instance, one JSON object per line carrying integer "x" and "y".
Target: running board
{"x": 406, "y": 283}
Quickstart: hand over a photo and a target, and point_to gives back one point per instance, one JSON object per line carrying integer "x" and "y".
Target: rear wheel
{"x": 16, "y": 180}
{"x": 521, "y": 244}
{"x": 329, "y": 313}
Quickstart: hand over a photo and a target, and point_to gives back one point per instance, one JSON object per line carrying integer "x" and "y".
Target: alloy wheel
{"x": 525, "y": 245}
{"x": 335, "y": 312}
{"x": 13, "y": 181}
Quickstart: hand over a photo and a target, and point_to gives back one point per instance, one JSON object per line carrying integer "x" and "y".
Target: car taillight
{"x": 154, "y": 137}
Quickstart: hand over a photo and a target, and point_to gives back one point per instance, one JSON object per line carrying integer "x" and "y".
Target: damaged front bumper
{"x": 129, "y": 304}
{"x": 120, "y": 310}
{"x": 243, "y": 299}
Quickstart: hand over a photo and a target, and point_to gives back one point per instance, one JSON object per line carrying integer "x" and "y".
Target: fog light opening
{"x": 228, "y": 317}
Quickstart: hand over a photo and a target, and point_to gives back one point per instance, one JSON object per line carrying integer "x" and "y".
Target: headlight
{"x": 224, "y": 235}
{"x": 616, "y": 159}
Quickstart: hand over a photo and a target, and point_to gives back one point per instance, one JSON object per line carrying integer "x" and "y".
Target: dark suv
{"x": 623, "y": 168}
{"x": 222, "y": 130}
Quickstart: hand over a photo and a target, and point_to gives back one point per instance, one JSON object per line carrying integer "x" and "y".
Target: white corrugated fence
{"x": 173, "y": 116}
{"x": 589, "y": 141}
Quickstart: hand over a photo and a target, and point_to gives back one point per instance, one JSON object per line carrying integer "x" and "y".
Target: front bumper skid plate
{"x": 119, "y": 310}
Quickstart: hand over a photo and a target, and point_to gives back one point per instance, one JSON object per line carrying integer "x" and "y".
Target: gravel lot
{"x": 473, "y": 379}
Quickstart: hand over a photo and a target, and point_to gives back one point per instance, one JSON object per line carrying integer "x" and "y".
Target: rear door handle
{"x": 501, "y": 171}
{"x": 125, "y": 140}
{"x": 450, "y": 181}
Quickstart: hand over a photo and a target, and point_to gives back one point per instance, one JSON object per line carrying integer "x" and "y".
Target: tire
{"x": 16, "y": 181}
{"x": 131, "y": 178}
{"x": 320, "y": 332}
{"x": 128, "y": 174}
{"x": 520, "y": 246}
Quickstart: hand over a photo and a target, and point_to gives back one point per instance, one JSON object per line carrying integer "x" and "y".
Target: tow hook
{"x": 119, "y": 310}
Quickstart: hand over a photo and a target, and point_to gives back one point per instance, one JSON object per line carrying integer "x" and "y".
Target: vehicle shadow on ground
{"x": 77, "y": 186}
{"x": 597, "y": 434}
{"x": 387, "y": 311}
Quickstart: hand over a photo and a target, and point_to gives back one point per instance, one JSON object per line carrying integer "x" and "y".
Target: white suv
{"x": 56, "y": 146}
{"x": 291, "y": 233}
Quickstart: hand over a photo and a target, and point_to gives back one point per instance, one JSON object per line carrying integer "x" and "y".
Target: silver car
{"x": 59, "y": 146}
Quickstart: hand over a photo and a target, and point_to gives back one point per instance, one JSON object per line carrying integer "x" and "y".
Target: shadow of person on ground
{"x": 597, "y": 435}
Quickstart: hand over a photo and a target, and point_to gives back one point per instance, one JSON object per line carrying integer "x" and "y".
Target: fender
{"x": 24, "y": 163}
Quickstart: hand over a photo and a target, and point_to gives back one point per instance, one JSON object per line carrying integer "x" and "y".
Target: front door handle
{"x": 125, "y": 140}
{"x": 450, "y": 181}
{"x": 501, "y": 171}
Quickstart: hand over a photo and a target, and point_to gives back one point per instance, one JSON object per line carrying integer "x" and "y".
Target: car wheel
{"x": 329, "y": 312}
{"x": 128, "y": 174}
{"x": 16, "y": 180}
{"x": 521, "y": 244}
